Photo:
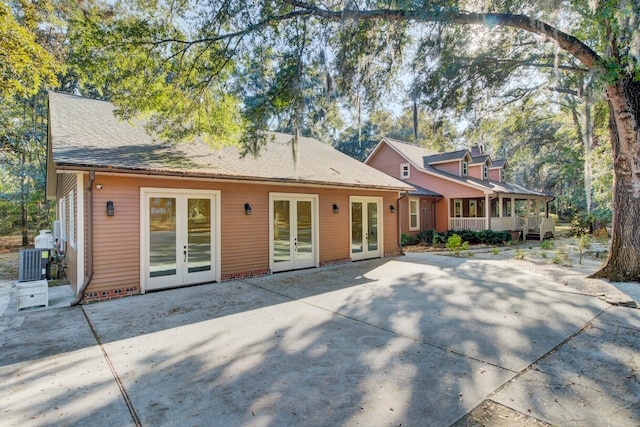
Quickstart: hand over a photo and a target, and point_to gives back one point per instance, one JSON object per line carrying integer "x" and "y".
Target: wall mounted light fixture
{"x": 247, "y": 209}
{"x": 110, "y": 208}
{"x": 336, "y": 208}
{"x": 392, "y": 208}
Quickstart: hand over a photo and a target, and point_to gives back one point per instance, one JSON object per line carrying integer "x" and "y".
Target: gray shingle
{"x": 86, "y": 134}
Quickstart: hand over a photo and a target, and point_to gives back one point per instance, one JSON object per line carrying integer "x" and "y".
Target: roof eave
{"x": 220, "y": 177}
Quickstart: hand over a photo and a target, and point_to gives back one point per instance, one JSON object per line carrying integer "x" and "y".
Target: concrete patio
{"x": 414, "y": 340}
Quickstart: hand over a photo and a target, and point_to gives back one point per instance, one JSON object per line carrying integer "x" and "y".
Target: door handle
{"x": 185, "y": 254}
{"x": 295, "y": 244}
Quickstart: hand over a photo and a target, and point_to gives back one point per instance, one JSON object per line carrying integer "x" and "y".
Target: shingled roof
{"x": 423, "y": 160}
{"x": 85, "y": 134}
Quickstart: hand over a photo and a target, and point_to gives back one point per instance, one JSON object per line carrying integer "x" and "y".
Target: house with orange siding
{"x": 460, "y": 190}
{"x": 135, "y": 214}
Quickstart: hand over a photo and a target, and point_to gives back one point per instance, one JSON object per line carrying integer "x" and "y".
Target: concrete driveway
{"x": 414, "y": 340}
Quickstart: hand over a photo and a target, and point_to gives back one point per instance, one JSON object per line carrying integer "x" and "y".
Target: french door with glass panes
{"x": 179, "y": 238}
{"x": 366, "y": 227}
{"x": 293, "y": 231}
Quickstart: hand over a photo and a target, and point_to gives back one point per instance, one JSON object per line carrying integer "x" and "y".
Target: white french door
{"x": 293, "y": 231}
{"x": 179, "y": 237}
{"x": 366, "y": 227}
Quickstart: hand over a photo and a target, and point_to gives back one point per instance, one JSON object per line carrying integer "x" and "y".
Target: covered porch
{"x": 528, "y": 215}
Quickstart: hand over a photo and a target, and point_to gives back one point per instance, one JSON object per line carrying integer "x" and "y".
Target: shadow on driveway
{"x": 412, "y": 340}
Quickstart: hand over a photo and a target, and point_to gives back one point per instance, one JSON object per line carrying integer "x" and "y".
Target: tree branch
{"x": 567, "y": 42}
{"x": 525, "y": 63}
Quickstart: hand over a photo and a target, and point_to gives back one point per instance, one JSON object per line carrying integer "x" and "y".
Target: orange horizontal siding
{"x": 244, "y": 238}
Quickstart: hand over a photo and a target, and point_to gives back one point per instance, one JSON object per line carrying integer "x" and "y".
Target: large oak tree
{"x": 200, "y": 67}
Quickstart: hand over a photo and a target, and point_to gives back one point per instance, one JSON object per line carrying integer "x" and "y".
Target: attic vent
{"x": 31, "y": 265}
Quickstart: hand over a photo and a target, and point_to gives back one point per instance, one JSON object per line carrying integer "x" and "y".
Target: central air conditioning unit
{"x": 33, "y": 265}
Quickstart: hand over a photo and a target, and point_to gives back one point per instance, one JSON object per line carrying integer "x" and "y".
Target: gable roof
{"x": 485, "y": 158}
{"x": 500, "y": 163}
{"x": 412, "y": 154}
{"x": 447, "y": 157}
{"x": 84, "y": 134}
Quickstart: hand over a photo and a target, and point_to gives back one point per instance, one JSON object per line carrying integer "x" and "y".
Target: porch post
{"x": 513, "y": 207}
{"x": 500, "y": 206}
{"x": 487, "y": 212}
{"x": 448, "y": 213}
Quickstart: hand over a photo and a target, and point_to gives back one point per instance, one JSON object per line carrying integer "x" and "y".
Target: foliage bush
{"x": 583, "y": 223}
{"x": 583, "y": 243}
{"x": 456, "y": 245}
{"x": 489, "y": 237}
{"x": 546, "y": 244}
{"x": 601, "y": 235}
{"x": 426, "y": 236}
{"x": 406, "y": 240}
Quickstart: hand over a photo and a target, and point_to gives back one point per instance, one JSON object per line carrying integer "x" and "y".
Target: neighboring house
{"x": 137, "y": 215}
{"x": 460, "y": 190}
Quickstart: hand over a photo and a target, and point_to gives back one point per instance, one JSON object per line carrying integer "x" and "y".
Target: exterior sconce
{"x": 392, "y": 208}
{"x": 336, "y": 208}
{"x": 110, "y": 209}
{"x": 247, "y": 209}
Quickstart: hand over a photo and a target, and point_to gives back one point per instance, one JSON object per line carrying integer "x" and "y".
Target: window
{"x": 457, "y": 208}
{"x": 465, "y": 168}
{"x": 413, "y": 215}
{"x": 405, "y": 171}
{"x": 501, "y": 175}
{"x": 507, "y": 208}
{"x": 62, "y": 217}
{"x": 72, "y": 226}
{"x": 485, "y": 171}
{"x": 473, "y": 210}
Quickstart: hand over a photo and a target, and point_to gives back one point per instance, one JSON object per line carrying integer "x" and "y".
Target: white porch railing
{"x": 547, "y": 225}
{"x": 475, "y": 224}
{"x": 534, "y": 222}
{"x": 504, "y": 223}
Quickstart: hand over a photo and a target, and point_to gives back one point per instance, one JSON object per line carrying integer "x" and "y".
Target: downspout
{"x": 398, "y": 220}
{"x": 89, "y": 276}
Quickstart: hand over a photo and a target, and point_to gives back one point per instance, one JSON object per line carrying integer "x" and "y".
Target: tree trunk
{"x": 623, "y": 263}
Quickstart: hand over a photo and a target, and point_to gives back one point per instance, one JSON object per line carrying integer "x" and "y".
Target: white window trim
{"x": 405, "y": 171}
{"x": 72, "y": 222}
{"x": 464, "y": 169}
{"x": 485, "y": 171}
{"x": 502, "y": 175}
{"x": 62, "y": 217}
{"x": 417, "y": 214}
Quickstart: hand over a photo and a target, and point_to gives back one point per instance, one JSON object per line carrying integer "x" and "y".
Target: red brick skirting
{"x": 110, "y": 294}
{"x": 335, "y": 262}
{"x": 245, "y": 274}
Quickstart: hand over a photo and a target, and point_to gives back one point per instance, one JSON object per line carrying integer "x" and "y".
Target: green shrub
{"x": 406, "y": 239}
{"x": 456, "y": 245}
{"x": 560, "y": 257}
{"x": 495, "y": 251}
{"x": 583, "y": 243}
{"x": 489, "y": 237}
{"x": 546, "y": 244}
{"x": 425, "y": 237}
{"x": 519, "y": 254}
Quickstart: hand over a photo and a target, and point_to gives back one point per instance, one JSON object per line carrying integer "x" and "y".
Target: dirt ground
{"x": 9, "y": 250}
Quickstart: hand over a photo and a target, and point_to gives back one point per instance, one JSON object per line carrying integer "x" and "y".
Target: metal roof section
{"x": 85, "y": 134}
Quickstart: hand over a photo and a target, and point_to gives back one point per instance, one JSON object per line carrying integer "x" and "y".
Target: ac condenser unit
{"x": 32, "y": 265}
